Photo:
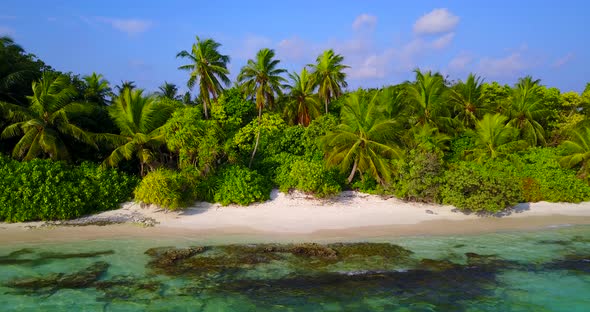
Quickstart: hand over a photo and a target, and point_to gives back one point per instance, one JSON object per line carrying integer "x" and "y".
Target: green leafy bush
{"x": 481, "y": 188}
{"x": 312, "y": 177}
{"x": 418, "y": 176}
{"x": 241, "y": 185}
{"x": 366, "y": 183}
{"x": 555, "y": 184}
{"x": 166, "y": 188}
{"x": 48, "y": 190}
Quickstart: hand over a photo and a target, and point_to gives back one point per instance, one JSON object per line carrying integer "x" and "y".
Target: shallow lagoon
{"x": 544, "y": 270}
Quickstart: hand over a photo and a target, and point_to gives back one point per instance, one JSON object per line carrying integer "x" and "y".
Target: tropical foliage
{"x": 328, "y": 75}
{"x": 47, "y": 190}
{"x": 481, "y": 146}
{"x": 208, "y": 68}
{"x": 365, "y": 140}
{"x": 44, "y": 124}
{"x": 140, "y": 120}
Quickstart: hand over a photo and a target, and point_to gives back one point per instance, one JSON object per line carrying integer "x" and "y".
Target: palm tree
{"x": 18, "y": 70}
{"x": 208, "y": 67}
{"x": 262, "y": 79}
{"x": 168, "y": 90}
{"x": 125, "y": 85}
{"x": 526, "y": 108}
{"x": 365, "y": 140}
{"x": 577, "y": 150}
{"x": 328, "y": 74}
{"x": 468, "y": 98}
{"x": 495, "y": 138}
{"x": 302, "y": 104}
{"x": 97, "y": 89}
{"x": 45, "y": 122}
{"x": 428, "y": 138}
{"x": 427, "y": 96}
{"x": 140, "y": 120}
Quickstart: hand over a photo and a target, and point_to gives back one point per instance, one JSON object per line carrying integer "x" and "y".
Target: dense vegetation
{"x": 478, "y": 145}
{"x": 47, "y": 190}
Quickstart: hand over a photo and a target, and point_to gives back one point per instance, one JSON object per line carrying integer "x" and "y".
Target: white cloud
{"x": 435, "y": 22}
{"x": 373, "y": 66}
{"x": 460, "y": 62}
{"x": 6, "y": 31}
{"x": 364, "y": 21}
{"x": 505, "y": 66}
{"x": 367, "y": 60}
{"x": 443, "y": 41}
{"x": 129, "y": 26}
{"x": 563, "y": 60}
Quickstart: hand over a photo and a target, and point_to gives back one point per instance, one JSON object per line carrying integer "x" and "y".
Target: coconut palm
{"x": 577, "y": 150}
{"x": 427, "y": 95}
{"x": 168, "y": 90}
{"x": 427, "y": 138}
{"x": 261, "y": 78}
{"x": 526, "y": 108}
{"x": 302, "y": 105}
{"x": 495, "y": 138}
{"x": 45, "y": 123}
{"x": 328, "y": 75}
{"x": 126, "y": 84}
{"x": 365, "y": 140}
{"x": 140, "y": 120}
{"x": 97, "y": 89}
{"x": 18, "y": 70}
{"x": 208, "y": 67}
{"x": 468, "y": 99}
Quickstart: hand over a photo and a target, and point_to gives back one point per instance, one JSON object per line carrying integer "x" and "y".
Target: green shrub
{"x": 241, "y": 185}
{"x": 166, "y": 188}
{"x": 312, "y": 177}
{"x": 48, "y": 190}
{"x": 481, "y": 188}
{"x": 366, "y": 183}
{"x": 555, "y": 184}
{"x": 418, "y": 176}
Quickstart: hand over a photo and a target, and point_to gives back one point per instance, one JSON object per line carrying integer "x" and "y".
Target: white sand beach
{"x": 349, "y": 215}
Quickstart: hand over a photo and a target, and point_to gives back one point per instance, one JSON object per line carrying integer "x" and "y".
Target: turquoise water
{"x": 547, "y": 270}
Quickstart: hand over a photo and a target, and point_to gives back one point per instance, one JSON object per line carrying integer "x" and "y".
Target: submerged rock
{"x": 127, "y": 288}
{"x": 573, "y": 263}
{"x": 437, "y": 265}
{"x": 44, "y": 257}
{"x": 310, "y": 256}
{"x": 168, "y": 256}
{"x": 444, "y": 288}
{"x": 81, "y": 279}
{"x": 311, "y": 250}
{"x": 385, "y": 250}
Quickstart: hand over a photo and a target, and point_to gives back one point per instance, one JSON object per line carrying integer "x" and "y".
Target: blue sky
{"x": 382, "y": 41}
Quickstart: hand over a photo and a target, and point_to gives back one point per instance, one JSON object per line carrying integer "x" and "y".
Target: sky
{"x": 381, "y": 41}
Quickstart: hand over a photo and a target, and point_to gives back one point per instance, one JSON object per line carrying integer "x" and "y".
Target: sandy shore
{"x": 350, "y": 215}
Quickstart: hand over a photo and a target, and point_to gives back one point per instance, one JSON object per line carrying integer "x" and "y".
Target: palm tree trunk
{"x": 353, "y": 172}
{"x": 141, "y": 168}
{"x": 257, "y": 137}
{"x": 205, "y": 97}
{"x": 326, "y": 104}
{"x": 205, "y": 109}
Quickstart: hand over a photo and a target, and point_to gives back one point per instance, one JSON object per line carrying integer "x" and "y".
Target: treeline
{"x": 476, "y": 145}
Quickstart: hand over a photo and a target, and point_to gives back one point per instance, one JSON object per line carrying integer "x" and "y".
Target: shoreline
{"x": 298, "y": 217}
